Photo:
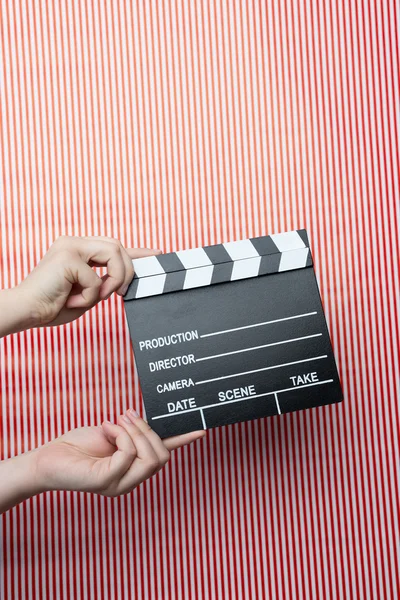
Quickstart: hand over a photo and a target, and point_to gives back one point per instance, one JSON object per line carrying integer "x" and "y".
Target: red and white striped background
{"x": 174, "y": 124}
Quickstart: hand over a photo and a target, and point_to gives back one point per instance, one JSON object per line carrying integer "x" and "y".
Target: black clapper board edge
{"x": 230, "y": 332}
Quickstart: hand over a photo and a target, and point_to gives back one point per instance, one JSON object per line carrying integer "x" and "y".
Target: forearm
{"x": 18, "y": 480}
{"x": 14, "y": 316}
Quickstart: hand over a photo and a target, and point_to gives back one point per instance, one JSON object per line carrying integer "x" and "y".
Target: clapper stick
{"x": 230, "y": 332}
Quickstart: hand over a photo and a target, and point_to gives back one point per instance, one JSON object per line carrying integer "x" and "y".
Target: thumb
{"x": 125, "y": 452}
{"x": 141, "y": 252}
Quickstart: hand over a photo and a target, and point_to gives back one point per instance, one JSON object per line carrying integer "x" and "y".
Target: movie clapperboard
{"x": 230, "y": 332}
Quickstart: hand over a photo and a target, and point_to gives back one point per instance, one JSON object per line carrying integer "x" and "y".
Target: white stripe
{"x": 289, "y": 240}
{"x": 243, "y": 269}
{"x": 193, "y": 258}
{"x": 293, "y": 259}
{"x": 146, "y": 266}
{"x": 150, "y": 286}
{"x": 240, "y": 249}
{"x": 198, "y": 277}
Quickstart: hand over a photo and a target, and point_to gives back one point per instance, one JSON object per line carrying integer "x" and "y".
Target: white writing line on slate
{"x": 306, "y": 337}
{"x": 258, "y": 324}
{"x": 201, "y": 408}
{"x": 296, "y": 362}
{"x": 202, "y": 418}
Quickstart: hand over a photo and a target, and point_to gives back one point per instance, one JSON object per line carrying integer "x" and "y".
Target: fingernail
{"x": 125, "y": 418}
{"x": 124, "y": 289}
{"x": 133, "y": 412}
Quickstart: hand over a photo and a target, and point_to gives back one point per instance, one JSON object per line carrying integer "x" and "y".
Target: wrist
{"x": 35, "y": 474}
{"x": 28, "y": 475}
{"x": 15, "y": 315}
{"x": 20, "y": 479}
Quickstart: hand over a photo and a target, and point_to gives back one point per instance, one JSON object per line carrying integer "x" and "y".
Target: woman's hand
{"x": 109, "y": 460}
{"x": 64, "y": 284}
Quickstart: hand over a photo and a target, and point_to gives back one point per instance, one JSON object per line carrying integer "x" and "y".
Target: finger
{"x": 105, "y": 252}
{"x": 131, "y": 252}
{"x": 125, "y": 453}
{"x": 172, "y": 443}
{"x": 144, "y": 448}
{"x": 140, "y": 470}
{"x": 90, "y": 283}
{"x": 127, "y": 255}
{"x": 147, "y": 462}
{"x": 129, "y": 270}
{"x": 162, "y": 452}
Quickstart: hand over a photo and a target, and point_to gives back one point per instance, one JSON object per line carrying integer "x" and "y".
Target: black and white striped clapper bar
{"x": 229, "y": 333}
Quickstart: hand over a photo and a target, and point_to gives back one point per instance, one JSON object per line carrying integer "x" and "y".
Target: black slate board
{"x": 255, "y": 347}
